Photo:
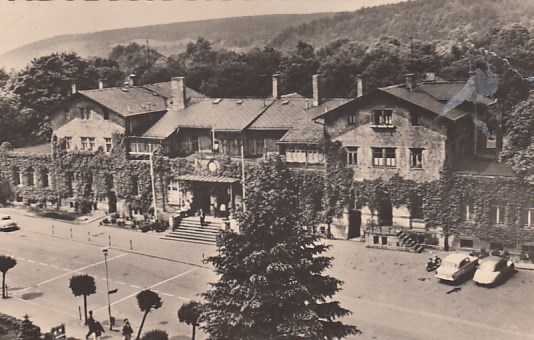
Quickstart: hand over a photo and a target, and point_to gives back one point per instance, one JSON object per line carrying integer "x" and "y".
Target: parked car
{"x": 493, "y": 270}
{"x": 455, "y": 266}
{"x": 8, "y": 225}
{"x": 4, "y": 217}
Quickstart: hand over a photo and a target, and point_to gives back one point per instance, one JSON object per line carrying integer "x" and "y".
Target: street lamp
{"x": 105, "y": 251}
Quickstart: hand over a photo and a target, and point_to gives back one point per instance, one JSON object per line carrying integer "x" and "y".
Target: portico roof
{"x": 205, "y": 178}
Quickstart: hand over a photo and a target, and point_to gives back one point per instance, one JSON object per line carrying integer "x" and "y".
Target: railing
{"x": 372, "y": 227}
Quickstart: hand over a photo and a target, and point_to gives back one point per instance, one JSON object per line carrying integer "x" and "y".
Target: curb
{"x": 125, "y": 250}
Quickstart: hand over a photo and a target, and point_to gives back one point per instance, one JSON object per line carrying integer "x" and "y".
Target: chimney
{"x": 73, "y": 87}
{"x": 315, "y": 84}
{"x": 178, "y": 93}
{"x": 359, "y": 86}
{"x": 133, "y": 80}
{"x": 276, "y": 86}
{"x": 410, "y": 81}
{"x": 100, "y": 84}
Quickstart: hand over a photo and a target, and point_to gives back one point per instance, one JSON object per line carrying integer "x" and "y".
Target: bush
{"x": 523, "y": 256}
{"x": 484, "y": 252}
{"x": 145, "y": 227}
{"x": 58, "y": 214}
{"x": 495, "y": 252}
{"x": 159, "y": 226}
{"x": 431, "y": 239}
{"x": 156, "y": 334}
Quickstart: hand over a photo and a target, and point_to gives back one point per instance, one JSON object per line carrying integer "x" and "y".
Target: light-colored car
{"x": 7, "y": 224}
{"x": 493, "y": 270}
{"x": 455, "y": 266}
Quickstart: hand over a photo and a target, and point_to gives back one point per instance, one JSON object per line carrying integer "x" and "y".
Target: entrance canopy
{"x": 209, "y": 179}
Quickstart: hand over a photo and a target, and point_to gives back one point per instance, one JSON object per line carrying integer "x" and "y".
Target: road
{"x": 390, "y": 293}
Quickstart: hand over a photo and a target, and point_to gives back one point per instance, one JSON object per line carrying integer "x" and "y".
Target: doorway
{"x": 385, "y": 213}
{"x": 355, "y": 222}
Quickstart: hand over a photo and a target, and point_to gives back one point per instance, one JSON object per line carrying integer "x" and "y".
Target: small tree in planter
{"x": 190, "y": 314}
{"x": 83, "y": 285}
{"x": 6, "y": 263}
{"x": 147, "y": 301}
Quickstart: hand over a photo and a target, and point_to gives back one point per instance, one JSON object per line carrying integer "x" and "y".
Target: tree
{"x": 297, "y": 69}
{"x": 147, "y": 300}
{"x": 83, "y": 285}
{"x": 271, "y": 282}
{"x": 190, "y": 314}
{"x": 6, "y": 263}
{"x": 28, "y": 331}
{"x": 134, "y": 58}
{"x": 156, "y": 334}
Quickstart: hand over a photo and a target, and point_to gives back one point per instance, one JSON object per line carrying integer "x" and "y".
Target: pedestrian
{"x": 98, "y": 330}
{"x": 90, "y": 324}
{"x": 127, "y": 330}
{"x": 202, "y": 217}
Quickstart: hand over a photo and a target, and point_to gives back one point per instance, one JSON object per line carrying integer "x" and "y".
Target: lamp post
{"x": 105, "y": 251}
{"x": 153, "y": 186}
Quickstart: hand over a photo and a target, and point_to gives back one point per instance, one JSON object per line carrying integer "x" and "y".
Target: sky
{"x": 23, "y": 22}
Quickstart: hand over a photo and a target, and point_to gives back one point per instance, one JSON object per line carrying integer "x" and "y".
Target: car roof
{"x": 491, "y": 261}
{"x": 456, "y": 257}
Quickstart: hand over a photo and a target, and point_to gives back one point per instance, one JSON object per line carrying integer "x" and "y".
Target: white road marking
{"x": 121, "y": 283}
{"x": 22, "y": 258}
{"x": 167, "y": 294}
{"x": 32, "y": 261}
{"x": 43, "y": 264}
{"x": 137, "y": 287}
{"x": 71, "y": 272}
{"x": 154, "y": 285}
{"x": 186, "y": 299}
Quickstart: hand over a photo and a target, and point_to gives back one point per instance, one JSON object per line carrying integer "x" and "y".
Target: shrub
{"x": 496, "y": 252}
{"x": 156, "y": 334}
{"x": 484, "y": 252}
{"x": 58, "y": 214}
{"x": 145, "y": 227}
{"x": 523, "y": 256}
{"x": 431, "y": 239}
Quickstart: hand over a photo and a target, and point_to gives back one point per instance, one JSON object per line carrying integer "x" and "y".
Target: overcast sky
{"x": 22, "y": 22}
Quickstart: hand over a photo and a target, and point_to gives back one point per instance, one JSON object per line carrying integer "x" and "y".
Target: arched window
{"x": 30, "y": 179}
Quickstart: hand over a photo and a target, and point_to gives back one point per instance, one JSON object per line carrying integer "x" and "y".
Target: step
{"x": 210, "y": 238}
{"x": 193, "y": 232}
{"x": 198, "y": 227}
{"x": 187, "y": 240}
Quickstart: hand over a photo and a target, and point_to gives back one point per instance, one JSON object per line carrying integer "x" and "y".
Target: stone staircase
{"x": 190, "y": 230}
{"x": 407, "y": 241}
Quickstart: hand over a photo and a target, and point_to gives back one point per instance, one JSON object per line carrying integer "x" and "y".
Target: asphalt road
{"x": 390, "y": 293}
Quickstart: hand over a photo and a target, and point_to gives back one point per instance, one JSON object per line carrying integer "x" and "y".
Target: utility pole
{"x": 243, "y": 172}
{"x": 153, "y": 186}
{"x": 147, "y": 53}
{"x": 105, "y": 251}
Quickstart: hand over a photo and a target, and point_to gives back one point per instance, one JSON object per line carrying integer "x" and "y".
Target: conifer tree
{"x": 272, "y": 283}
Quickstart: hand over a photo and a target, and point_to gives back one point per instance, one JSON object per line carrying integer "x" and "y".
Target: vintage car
{"x": 455, "y": 266}
{"x": 7, "y": 224}
{"x": 493, "y": 270}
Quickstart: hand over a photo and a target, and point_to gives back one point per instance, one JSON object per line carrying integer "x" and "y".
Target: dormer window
{"x": 383, "y": 118}
{"x": 351, "y": 119}
{"x": 85, "y": 113}
{"x": 415, "y": 118}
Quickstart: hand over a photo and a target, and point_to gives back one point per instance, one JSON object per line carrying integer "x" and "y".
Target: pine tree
{"x": 271, "y": 274}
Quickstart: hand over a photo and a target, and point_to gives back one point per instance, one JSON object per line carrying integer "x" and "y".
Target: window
{"x": 497, "y": 214}
{"x": 135, "y": 186}
{"x": 384, "y": 157}
{"x": 296, "y": 153}
{"x": 69, "y": 178}
{"x": 352, "y": 155}
{"x": 108, "y": 144}
{"x": 88, "y": 143}
{"x": 466, "y": 243}
{"x": 194, "y": 144}
{"x": 105, "y": 113}
{"x": 416, "y": 208}
{"x": 68, "y": 143}
{"x": 85, "y": 113}
{"x": 416, "y": 158}
{"x": 45, "y": 178}
{"x": 390, "y": 157}
{"x": 173, "y": 192}
{"x": 527, "y": 215}
{"x": 315, "y": 155}
{"x": 30, "y": 179}
{"x": 415, "y": 118}
{"x": 351, "y": 119}
{"x": 16, "y": 176}
{"x": 468, "y": 211}
{"x": 383, "y": 117}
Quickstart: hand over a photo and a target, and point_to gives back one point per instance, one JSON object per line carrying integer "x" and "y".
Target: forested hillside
{"x": 423, "y": 20}
{"x": 230, "y": 33}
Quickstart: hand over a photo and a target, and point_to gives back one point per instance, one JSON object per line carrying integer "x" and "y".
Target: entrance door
{"x": 355, "y": 222}
{"x": 112, "y": 202}
{"x": 201, "y": 198}
{"x": 385, "y": 214}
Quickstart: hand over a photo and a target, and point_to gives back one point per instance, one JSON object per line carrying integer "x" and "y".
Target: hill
{"x": 231, "y": 33}
{"x": 421, "y": 19}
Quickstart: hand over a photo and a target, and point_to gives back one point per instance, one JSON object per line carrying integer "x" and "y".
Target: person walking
{"x": 90, "y": 324}
{"x": 98, "y": 330}
{"x": 222, "y": 210}
{"x": 127, "y": 330}
{"x": 202, "y": 217}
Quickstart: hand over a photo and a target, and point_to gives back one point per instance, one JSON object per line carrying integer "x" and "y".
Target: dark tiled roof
{"x": 219, "y": 114}
{"x": 483, "y": 167}
{"x": 424, "y": 100}
{"x": 283, "y": 114}
{"x": 164, "y": 90}
{"x": 442, "y": 91}
{"x": 306, "y": 131}
{"x": 127, "y": 102}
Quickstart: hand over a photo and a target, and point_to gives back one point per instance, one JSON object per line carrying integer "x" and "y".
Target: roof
{"x": 305, "y": 130}
{"x": 442, "y": 91}
{"x": 483, "y": 167}
{"x": 204, "y": 178}
{"x": 127, "y": 101}
{"x": 164, "y": 90}
{"x": 426, "y": 101}
{"x": 283, "y": 114}
{"x": 219, "y": 114}
{"x": 457, "y": 257}
{"x": 41, "y": 148}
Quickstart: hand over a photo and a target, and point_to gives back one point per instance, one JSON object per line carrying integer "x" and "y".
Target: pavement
{"x": 390, "y": 294}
